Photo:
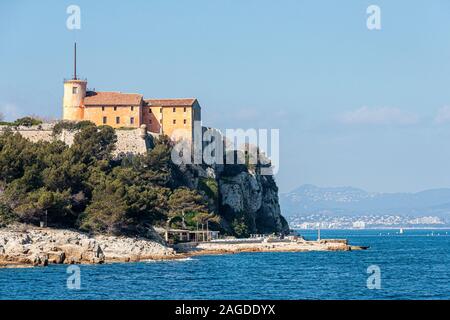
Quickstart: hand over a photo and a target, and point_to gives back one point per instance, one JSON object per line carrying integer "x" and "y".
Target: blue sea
{"x": 414, "y": 265}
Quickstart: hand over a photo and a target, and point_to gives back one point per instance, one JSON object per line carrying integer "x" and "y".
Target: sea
{"x": 411, "y": 265}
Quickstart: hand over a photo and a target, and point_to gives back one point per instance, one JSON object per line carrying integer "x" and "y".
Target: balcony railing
{"x": 80, "y": 79}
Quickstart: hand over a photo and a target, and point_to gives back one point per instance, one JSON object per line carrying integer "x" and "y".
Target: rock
{"x": 39, "y": 248}
{"x": 26, "y": 239}
{"x": 210, "y": 173}
{"x": 255, "y": 197}
{"x": 36, "y": 261}
{"x": 56, "y": 257}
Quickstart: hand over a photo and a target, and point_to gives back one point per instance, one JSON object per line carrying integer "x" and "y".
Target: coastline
{"x": 377, "y": 228}
{"x": 28, "y": 246}
{"x": 289, "y": 245}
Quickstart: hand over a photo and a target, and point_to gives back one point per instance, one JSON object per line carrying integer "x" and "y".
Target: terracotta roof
{"x": 112, "y": 98}
{"x": 171, "y": 102}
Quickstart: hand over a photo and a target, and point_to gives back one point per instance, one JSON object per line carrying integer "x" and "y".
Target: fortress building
{"x": 173, "y": 117}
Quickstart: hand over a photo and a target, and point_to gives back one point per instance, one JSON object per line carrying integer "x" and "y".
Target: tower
{"x": 74, "y": 94}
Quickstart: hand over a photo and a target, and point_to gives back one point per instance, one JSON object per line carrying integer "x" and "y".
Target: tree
{"x": 240, "y": 228}
{"x": 71, "y": 126}
{"x": 33, "y": 205}
{"x": 106, "y": 213}
{"x": 205, "y": 217}
{"x": 7, "y": 216}
{"x": 92, "y": 144}
{"x": 185, "y": 200}
{"x": 157, "y": 167}
{"x": 120, "y": 204}
{"x": 27, "y": 122}
{"x": 186, "y": 204}
{"x": 12, "y": 148}
{"x": 84, "y": 186}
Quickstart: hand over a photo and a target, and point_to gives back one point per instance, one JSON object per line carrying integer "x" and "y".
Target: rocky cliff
{"x": 254, "y": 199}
{"x": 246, "y": 201}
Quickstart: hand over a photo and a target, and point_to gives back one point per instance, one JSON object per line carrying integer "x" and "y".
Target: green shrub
{"x": 7, "y": 216}
{"x": 210, "y": 187}
{"x": 70, "y": 126}
{"x": 27, "y": 122}
{"x": 240, "y": 228}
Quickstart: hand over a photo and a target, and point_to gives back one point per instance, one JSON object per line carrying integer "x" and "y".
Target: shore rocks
{"x": 31, "y": 246}
{"x": 26, "y": 245}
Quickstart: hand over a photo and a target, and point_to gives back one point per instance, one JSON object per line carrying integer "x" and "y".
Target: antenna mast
{"x": 75, "y": 62}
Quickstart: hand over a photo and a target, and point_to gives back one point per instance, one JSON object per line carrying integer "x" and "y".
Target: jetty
{"x": 264, "y": 244}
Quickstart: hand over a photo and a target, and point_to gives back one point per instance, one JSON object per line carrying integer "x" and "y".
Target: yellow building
{"x": 173, "y": 117}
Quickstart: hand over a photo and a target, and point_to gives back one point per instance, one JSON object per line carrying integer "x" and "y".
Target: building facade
{"x": 172, "y": 117}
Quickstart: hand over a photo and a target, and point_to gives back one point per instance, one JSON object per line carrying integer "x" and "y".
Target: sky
{"x": 354, "y": 107}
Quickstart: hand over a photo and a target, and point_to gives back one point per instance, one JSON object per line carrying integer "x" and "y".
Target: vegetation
{"x": 6, "y": 215}
{"x": 25, "y": 121}
{"x": 70, "y": 126}
{"x": 210, "y": 187}
{"x": 240, "y": 227}
{"x": 84, "y": 187}
{"x": 126, "y": 128}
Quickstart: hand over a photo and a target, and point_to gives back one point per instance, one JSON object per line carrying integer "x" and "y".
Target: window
{"x": 103, "y": 108}
{"x": 160, "y": 110}
{"x": 184, "y": 109}
{"x": 174, "y": 121}
{"x": 174, "y": 109}
{"x": 74, "y": 90}
{"x": 132, "y": 120}
{"x": 132, "y": 108}
{"x": 149, "y": 110}
{"x": 184, "y": 121}
{"x": 115, "y": 108}
{"x": 105, "y": 120}
{"x": 117, "y": 120}
{"x": 150, "y": 121}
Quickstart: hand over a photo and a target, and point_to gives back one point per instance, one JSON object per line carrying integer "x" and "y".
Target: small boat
{"x": 401, "y": 231}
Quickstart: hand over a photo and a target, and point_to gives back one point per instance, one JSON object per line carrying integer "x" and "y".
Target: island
{"x": 72, "y": 192}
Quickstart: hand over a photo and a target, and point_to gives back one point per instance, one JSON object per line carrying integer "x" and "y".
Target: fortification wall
{"x": 128, "y": 141}
{"x": 132, "y": 142}
{"x": 36, "y": 135}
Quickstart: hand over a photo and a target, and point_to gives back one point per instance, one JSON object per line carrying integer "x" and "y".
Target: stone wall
{"x": 132, "y": 142}
{"x": 36, "y": 135}
{"x": 128, "y": 141}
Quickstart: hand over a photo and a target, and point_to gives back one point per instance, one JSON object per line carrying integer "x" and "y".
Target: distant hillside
{"x": 310, "y": 199}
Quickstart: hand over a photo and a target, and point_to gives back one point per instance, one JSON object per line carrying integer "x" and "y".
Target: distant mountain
{"x": 310, "y": 199}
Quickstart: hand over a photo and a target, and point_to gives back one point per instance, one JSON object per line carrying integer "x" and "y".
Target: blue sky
{"x": 354, "y": 107}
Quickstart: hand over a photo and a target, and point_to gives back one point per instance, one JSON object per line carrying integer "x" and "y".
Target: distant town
{"x": 311, "y": 206}
{"x": 323, "y": 221}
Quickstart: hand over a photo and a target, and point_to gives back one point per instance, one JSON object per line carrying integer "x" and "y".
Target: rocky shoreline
{"x": 31, "y": 246}
{"x": 25, "y": 246}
